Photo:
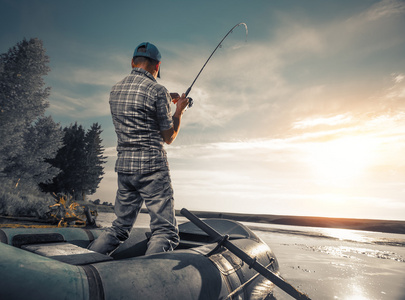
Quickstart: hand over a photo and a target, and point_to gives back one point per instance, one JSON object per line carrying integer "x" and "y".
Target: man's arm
{"x": 170, "y": 135}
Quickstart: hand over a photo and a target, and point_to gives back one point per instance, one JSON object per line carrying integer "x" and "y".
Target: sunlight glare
{"x": 358, "y": 293}
{"x": 342, "y": 160}
{"x": 345, "y": 235}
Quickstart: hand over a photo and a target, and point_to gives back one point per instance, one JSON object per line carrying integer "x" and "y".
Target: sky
{"x": 304, "y": 116}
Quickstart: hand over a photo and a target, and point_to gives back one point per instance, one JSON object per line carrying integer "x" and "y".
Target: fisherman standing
{"x": 140, "y": 109}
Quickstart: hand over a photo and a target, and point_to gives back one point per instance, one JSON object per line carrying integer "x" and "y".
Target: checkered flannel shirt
{"x": 140, "y": 109}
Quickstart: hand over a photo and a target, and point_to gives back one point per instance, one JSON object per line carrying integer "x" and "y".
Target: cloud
{"x": 83, "y": 91}
{"x": 67, "y": 103}
{"x": 277, "y": 174}
{"x": 110, "y": 152}
{"x": 97, "y": 76}
{"x": 381, "y": 131}
{"x": 375, "y": 29}
{"x": 81, "y": 83}
{"x": 330, "y": 121}
{"x": 108, "y": 186}
{"x": 398, "y": 78}
{"x": 384, "y": 9}
{"x": 397, "y": 90}
{"x": 300, "y": 72}
{"x": 304, "y": 70}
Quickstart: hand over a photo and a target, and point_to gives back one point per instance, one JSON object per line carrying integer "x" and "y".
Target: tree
{"x": 94, "y": 159}
{"x": 22, "y": 107}
{"x": 70, "y": 159}
{"x": 80, "y": 159}
{"x": 41, "y": 141}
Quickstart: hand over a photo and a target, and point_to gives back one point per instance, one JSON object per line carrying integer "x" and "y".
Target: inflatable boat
{"x": 54, "y": 263}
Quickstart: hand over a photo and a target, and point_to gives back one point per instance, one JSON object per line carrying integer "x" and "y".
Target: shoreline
{"x": 386, "y": 226}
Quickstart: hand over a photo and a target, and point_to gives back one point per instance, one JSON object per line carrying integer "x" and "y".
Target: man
{"x": 140, "y": 109}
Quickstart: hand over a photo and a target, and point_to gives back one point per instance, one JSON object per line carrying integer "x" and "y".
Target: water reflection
{"x": 346, "y": 235}
{"x": 357, "y": 293}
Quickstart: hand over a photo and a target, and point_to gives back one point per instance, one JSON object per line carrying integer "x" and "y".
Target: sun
{"x": 341, "y": 160}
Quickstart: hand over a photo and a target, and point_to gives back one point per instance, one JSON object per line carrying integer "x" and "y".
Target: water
{"x": 328, "y": 263}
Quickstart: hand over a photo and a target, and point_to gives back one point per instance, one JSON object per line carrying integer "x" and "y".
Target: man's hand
{"x": 175, "y": 97}
{"x": 169, "y": 135}
{"x": 181, "y": 105}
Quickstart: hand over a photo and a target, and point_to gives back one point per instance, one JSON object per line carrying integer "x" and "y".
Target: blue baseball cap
{"x": 151, "y": 52}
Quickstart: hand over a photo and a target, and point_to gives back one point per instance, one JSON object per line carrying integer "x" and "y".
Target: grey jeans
{"x": 155, "y": 189}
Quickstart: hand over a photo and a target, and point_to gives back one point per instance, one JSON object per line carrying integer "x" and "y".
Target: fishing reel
{"x": 174, "y": 97}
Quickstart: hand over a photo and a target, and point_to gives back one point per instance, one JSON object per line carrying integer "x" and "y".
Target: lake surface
{"x": 328, "y": 263}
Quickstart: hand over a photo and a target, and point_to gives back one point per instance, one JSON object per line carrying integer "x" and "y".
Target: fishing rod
{"x": 190, "y": 103}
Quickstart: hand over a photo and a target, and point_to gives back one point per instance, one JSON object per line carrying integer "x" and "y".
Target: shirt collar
{"x": 142, "y": 71}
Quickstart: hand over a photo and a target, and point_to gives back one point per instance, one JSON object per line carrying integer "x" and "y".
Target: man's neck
{"x": 145, "y": 67}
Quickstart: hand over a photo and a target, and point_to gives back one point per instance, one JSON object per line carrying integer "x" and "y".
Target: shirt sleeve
{"x": 163, "y": 109}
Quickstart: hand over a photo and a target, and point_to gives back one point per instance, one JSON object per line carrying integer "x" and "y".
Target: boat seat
{"x": 67, "y": 253}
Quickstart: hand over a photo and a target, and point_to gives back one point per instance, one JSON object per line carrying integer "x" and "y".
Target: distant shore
{"x": 386, "y": 226}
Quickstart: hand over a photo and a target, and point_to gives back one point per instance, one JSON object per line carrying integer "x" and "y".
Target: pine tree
{"x": 70, "y": 159}
{"x": 95, "y": 159}
{"x": 80, "y": 159}
{"x": 22, "y": 106}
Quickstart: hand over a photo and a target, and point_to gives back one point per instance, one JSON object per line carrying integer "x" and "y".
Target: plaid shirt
{"x": 140, "y": 109}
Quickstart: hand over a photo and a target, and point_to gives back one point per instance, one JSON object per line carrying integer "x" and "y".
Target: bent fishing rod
{"x": 219, "y": 45}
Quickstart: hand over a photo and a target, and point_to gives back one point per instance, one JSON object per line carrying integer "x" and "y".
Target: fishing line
{"x": 219, "y": 45}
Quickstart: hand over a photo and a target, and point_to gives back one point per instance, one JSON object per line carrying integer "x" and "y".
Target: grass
{"x": 23, "y": 203}
{"x": 24, "y": 206}
{"x": 28, "y": 201}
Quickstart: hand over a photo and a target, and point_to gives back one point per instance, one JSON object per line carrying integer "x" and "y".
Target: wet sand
{"x": 338, "y": 266}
